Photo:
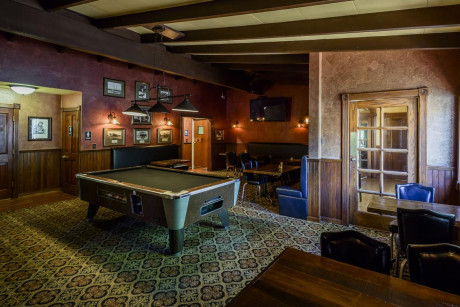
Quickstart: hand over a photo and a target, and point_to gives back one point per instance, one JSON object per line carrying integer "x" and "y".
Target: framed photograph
{"x": 114, "y": 88}
{"x": 114, "y": 136}
{"x": 142, "y": 120}
{"x": 219, "y": 134}
{"x": 163, "y": 92}
{"x": 200, "y": 129}
{"x": 164, "y": 136}
{"x": 142, "y": 90}
{"x": 141, "y": 136}
{"x": 40, "y": 128}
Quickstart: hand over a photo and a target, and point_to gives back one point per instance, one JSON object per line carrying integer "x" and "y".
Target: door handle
{"x": 352, "y": 159}
{"x": 65, "y": 157}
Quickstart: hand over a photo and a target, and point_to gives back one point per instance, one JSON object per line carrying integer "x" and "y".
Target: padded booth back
{"x": 414, "y": 191}
{"x": 134, "y": 156}
{"x": 278, "y": 150}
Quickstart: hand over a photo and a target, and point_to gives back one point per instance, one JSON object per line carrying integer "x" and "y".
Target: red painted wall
{"x": 37, "y": 63}
{"x": 277, "y": 132}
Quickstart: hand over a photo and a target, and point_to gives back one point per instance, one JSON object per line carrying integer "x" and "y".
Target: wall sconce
{"x": 112, "y": 119}
{"x": 300, "y": 123}
{"x": 168, "y": 122}
{"x": 235, "y": 124}
{"x": 307, "y": 119}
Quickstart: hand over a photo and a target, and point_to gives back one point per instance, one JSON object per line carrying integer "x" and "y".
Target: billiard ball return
{"x": 142, "y": 192}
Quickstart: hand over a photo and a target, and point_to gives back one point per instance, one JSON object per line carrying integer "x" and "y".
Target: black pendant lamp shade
{"x": 134, "y": 110}
{"x": 158, "y": 108}
{"x": 185, "y": 106}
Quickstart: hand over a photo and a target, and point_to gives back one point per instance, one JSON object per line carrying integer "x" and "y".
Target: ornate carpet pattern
{"x": 49, "y": 255}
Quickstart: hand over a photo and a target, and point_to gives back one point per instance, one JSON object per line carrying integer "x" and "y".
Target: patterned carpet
{"x": 49, "y": 255}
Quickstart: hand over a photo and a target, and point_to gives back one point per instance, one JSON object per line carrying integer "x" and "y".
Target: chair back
{"x": 244, "y": 157}
{"x": 357, "y": 249}
{"x": 415, "y": 191}
{"x": 304, "y": 177}
{"x": 422, "y": 226}
{"x": 231, "y": 156}
{"x": 436, "y": 266}
{"x": 245, "y": 165}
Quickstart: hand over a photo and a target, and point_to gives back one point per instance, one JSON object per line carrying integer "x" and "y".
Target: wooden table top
{"x": 388, "y": 206}
{"x": 271, "y": 170}
{"x": 169, "y": 163}
{"x": 297, "y": 278}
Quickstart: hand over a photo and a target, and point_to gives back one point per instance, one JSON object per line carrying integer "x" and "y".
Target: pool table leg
{"x": 223, "y": 215}
{"x": 92, "y": 210}
{"x": 176, "y": 241}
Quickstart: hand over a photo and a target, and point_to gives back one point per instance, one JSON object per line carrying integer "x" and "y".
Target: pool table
{"x": 167, "y": 197}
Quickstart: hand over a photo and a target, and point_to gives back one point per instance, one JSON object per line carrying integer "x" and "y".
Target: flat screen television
{"x": 270, "y": 109}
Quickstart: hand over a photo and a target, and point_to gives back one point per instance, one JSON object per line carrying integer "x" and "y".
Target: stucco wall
{"x": 354, "y": 72}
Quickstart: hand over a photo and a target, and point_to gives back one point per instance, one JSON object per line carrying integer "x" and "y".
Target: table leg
{"x": 176, "y": 241}
{"x": 92, "y": 210}
{"x": 223, "y": 215}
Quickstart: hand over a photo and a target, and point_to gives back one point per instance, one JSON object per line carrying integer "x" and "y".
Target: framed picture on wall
{"x": 219, "y": 134}
{"x": 142, "y": 90}
{"x": 163, "y": 93}
{"x": 114, "y": 88}
{"x": 164, "y": 136}
{"x": 40, "y": 129}
{"x": 114, "y": 136}
{"x": 141, "y": 136}
{"x": 142, "y": 120}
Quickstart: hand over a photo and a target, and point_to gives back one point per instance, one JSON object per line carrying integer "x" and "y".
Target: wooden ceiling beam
{"x": 58, "y": 28}
{"x": 418, "y": 41}
{"x": 204, "y": 10}
{"x": 52, "y": 5}
{"x": 254, "y": 59}
{"x": 266, "y": 67}
{"x": 406, "y": 19}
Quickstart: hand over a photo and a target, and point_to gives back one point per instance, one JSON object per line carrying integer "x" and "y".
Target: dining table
{"x": 390, "y": 205}
{"x": 298, "y": 278}
{"x": 272, "y": 169}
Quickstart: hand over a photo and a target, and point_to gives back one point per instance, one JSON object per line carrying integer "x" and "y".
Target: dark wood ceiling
{"x": 238, "y": 42}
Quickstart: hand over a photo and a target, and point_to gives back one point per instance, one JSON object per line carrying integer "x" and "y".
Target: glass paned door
{"x": 386, "y": 148}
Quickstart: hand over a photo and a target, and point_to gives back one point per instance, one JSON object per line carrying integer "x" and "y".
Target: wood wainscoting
{"x": 94, "y": 160}
{"x": 39, "y": 170}
{"x": 444, "y": 181}
{"x": 325, "y": 190}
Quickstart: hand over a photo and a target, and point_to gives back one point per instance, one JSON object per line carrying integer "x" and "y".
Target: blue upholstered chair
{"x": 410, "y": 191}
{"x": 415, "y": 191}
{"x": 292, "y": 202}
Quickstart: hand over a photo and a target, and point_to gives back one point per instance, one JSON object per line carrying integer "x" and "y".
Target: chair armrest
{"x": 288, "y": 191}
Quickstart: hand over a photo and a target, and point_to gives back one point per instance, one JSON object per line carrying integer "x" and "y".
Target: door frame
{"x": 421, "y": 95}
{"x": 16, "y": 107}
{"x": 193, "y": 135}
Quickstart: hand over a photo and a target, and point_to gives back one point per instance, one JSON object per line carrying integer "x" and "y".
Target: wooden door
{"x": 70, "y": 149}
{"x": 383, "y": 149}
{"x": 6, "y": 152}
{"x": 201, "y": 143}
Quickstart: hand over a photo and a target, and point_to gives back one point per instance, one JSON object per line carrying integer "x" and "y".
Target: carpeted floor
{"x": 49, "y": 255}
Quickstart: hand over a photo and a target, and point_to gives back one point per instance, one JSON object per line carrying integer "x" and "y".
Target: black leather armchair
{"x": 357, "y": 249}
{"x": 410, "y": 191}
{"x": 422, "y": 227}
{"x": 436, "y": 266}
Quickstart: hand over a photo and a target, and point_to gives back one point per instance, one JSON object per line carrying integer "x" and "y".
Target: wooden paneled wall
{"x": 39, "y": 170}
{"x": 325, "y": 190}
{"x": 94, "y": 160}
{"x": 444, "y": 181}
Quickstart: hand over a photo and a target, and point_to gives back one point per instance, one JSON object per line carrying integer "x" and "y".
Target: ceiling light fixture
{"x": 185, "y": 106}
{"x": 134, "y": 110}
{"x": 23, "y": 89}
